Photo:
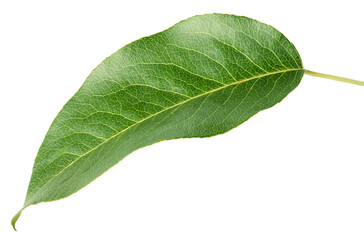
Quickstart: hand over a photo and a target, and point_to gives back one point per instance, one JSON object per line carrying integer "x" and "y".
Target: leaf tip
{"x": 15, "y": 218}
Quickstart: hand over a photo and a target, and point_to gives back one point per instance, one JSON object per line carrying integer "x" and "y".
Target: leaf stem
{"x": 336, "y": 78}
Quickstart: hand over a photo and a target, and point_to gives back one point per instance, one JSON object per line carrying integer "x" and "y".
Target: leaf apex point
{"x": 15, "y": 219}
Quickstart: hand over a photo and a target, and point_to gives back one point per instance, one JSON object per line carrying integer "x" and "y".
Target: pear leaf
{"x": 199, "y": 78}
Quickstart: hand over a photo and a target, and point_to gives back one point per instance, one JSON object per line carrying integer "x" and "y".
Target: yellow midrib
{"x": 29, "y": 202}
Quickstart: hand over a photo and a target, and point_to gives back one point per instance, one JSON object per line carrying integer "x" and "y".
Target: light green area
{"x": 202, "y": 77}
{"x": 336, "y": 78}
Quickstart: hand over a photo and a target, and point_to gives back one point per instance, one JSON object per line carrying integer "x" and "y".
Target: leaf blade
{"x": 200, "y": 78}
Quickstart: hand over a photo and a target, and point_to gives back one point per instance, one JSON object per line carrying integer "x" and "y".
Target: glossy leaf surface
{"x": 202, "y": 77}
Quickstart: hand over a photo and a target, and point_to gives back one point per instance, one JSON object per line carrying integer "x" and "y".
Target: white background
{"x": 295, "y": 171}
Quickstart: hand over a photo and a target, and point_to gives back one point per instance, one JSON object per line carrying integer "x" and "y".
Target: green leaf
{"x": 199, "y": 78}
